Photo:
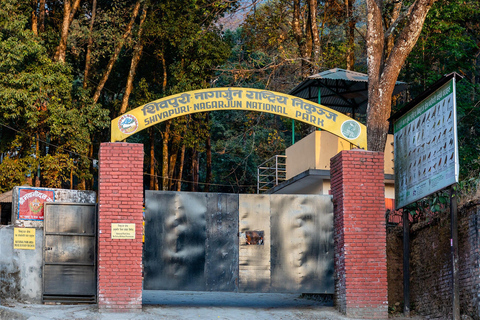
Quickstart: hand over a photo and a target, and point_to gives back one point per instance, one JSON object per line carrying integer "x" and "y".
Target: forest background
{"x": 68, "y": 67}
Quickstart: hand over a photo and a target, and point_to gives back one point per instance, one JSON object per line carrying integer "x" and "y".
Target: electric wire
{"x": 157, "y": 176}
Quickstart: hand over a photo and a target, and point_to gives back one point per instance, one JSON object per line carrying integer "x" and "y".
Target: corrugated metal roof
{"x": 6, "y": 197}
{"x": 342, "y": 90}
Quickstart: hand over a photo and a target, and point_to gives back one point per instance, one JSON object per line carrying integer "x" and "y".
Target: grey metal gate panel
{"x": 246, "y": 243}
{"x": 254, "y": 258}
{"x": 221, "y": 257}
{"x": 69, "y": 259}
{"x": 302, "y": 243}
{"x": 175, "y": 233}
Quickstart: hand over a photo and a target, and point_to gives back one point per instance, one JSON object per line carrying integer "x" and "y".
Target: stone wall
{"x": 430, "y": 265}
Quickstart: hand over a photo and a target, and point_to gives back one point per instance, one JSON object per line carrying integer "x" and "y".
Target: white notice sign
{"x": 123, "y": 230}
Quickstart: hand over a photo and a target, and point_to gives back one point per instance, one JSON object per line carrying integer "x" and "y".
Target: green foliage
{"x": 39, "y": 98}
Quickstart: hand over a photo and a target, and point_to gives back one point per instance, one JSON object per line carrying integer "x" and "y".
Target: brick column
{"x": 360, "y": 237}
{"x": 120, "y": 200}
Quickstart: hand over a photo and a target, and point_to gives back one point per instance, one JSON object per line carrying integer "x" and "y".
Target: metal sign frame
{"x": 426, "y": 147}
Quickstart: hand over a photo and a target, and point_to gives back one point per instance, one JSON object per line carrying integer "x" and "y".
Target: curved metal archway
{"x": 247, "y": 99}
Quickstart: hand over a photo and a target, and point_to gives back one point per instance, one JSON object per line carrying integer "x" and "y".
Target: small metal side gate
{"x": 69, "y": 256}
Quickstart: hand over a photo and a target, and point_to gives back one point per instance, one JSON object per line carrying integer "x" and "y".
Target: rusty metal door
{"x": 69, "y": 256}
{"x": 241, "y": 243}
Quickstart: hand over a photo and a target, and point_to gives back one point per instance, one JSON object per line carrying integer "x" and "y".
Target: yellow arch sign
{"x": 239, "y": 99}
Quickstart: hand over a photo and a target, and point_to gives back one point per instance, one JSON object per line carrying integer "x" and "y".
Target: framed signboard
{"x": 30, "y": 202}
{"x": 426, "y": 148}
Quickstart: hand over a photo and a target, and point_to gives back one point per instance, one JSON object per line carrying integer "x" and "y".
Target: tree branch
{"x": 400, "y": 18}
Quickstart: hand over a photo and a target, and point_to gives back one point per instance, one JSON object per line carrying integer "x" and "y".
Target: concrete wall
{"x": 430, "y": 265}
{"x": 313, "y": 152}
{"x": 21, "y": 270}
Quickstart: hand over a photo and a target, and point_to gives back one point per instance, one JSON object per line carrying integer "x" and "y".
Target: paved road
{"x": 188, "y": 305}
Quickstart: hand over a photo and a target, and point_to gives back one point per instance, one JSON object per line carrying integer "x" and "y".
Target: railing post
{"x": 276, "y": 170}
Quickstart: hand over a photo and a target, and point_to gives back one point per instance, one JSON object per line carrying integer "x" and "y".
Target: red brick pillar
{"x": 120, "y": 201}
{"x": 360, "y": 236}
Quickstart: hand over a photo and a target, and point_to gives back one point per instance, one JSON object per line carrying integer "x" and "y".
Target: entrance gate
{"x": 241, "y": 243}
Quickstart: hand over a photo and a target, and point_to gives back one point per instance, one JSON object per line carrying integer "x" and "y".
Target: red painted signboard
{"x": 30, "y": 203}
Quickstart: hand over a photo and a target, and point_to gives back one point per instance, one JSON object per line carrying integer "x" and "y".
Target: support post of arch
{"x": 360, "y": 264}
{"x": 120, "y": 219}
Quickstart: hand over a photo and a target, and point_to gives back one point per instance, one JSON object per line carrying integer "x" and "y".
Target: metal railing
{"x": 271, "y": 172}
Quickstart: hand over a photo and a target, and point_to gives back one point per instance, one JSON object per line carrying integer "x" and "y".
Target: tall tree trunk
{"x": 164, "y": 68}
{"x": 41, "y": 16}
{"x": 382, "y": 74}
{"x": 176, "y": 141}
{"x": 350, "y": 33}
{"x": 116, "y": 52}
{"x": 92, "y": 170}
{"x": 34, "y": 18}
{"x": 137, "y": 54}
{"x": 316, "y": 48}
{"x": 69, "y": 11}
{"x": 37, "y": 157}
{"x": 152, "y": 160}
{"x": 193, "y": 170}
{"x": 166, "y": 137}
{"x": 180, "y": 168}
{"x": 208, "y": 146}
{"x": 71, "y": 178}
{"x": 300, "y": 38}
{"x": 88, "y": 56}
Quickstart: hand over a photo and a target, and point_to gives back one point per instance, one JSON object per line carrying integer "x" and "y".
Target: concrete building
{"x": 307, "y": 166}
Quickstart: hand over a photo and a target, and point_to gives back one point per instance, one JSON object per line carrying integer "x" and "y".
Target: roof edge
{"x": 440, "y": 82}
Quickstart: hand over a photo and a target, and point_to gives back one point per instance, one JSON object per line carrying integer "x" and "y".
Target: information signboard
{"x": 30, "y": 203}
{"x": 426, "y": 148}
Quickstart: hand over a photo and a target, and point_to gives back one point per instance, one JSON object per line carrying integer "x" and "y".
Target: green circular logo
{"x": 351, "y": 129}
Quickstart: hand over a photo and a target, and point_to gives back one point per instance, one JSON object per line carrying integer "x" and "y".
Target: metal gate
{"x": 244, "y": 243}
{"x": 69, "y": 259}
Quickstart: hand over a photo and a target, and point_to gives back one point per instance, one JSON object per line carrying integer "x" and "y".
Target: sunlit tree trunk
{"x": 300, "y": 38}
{"x": 180, "y": 168}
{"x": 208, "y": 147}
{"x": 166, "y": 138}
{"x": 116, "y": 52}
{"x": 152, "y": 159}
{"x": 350, "y": 33}
{"x": 69, "y": 11}
{"x": 41, "y": 16}
{"x": 34, "y": 18}
{"x": 88, "y": 56}
{"x": 137, "y": 54}
{"x": 316, "y": 48}
{"x": 176, "y": 141}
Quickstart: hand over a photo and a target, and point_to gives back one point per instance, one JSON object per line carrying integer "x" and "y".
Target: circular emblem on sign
{"x": 351, "y": 129}
{"x": 128, "y": 124}
{"x": 35, "y": 205}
